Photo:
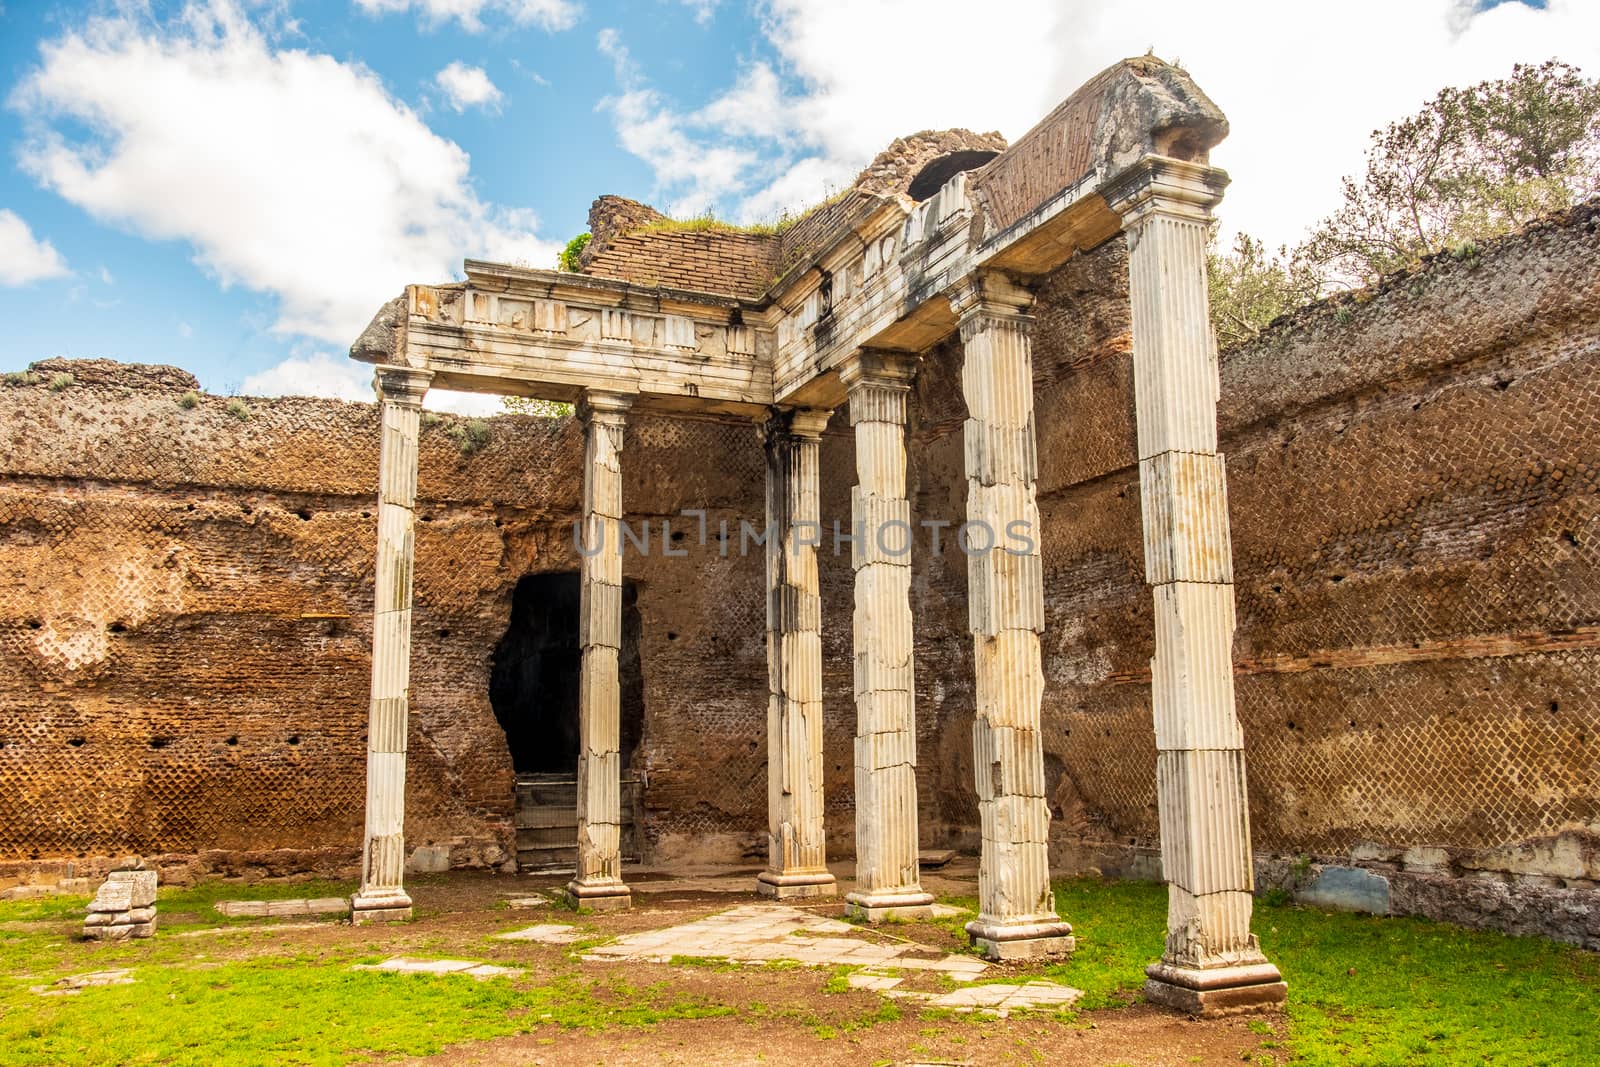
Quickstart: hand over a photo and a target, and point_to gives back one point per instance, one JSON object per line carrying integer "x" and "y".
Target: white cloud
{"x": 106, "y": 277}
{"x": 465, "y": 87}
{"x": 1303, "y": 86}
{"x": 185, "y": 330}
{"x": 288, "y": 172}
{"x": 552, "y": 15}
{"x": 477, "y": 405}
{"x": 693, "y": 172}
{"x": 313, "y": 374}
{"x": 23, "y": 257}
{"x": 704, "y": 10}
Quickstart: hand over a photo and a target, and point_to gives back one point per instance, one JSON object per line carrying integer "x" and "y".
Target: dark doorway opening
{"x": 533, "y": 688}
{"x": 533, "y": 684}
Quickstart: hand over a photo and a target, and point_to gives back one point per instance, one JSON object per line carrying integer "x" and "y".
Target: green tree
{"x": 1471, "y": 165}
{"x": 1250, "y": 288}
{"x": 532, "y": 405}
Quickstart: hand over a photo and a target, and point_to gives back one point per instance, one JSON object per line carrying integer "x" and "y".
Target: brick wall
{"x": 184, "y": 601}
{"x": 1414, "y": 480}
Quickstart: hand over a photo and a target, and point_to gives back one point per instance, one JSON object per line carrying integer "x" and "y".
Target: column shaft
{"x": 598, "y": 881}
{"x": 1005, "y": 596}
{"x": 796, "y": 865}
{"x": 1212, "y": 961}
{"x": 383, "y": 855}
{"x": 887, "y": 876}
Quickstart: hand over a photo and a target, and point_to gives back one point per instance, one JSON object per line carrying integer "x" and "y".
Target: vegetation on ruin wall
{"x": 1472, "y": 165}
{"x": 1363, "y": 990}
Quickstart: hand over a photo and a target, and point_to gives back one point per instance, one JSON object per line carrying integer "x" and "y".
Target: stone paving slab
{"x": 534, "y": 901}
{"x": 997, "y": 999}
{"x": 280, "y": 908}
{"x": 544, "y": 933}
{"x": 75, "y": 983}
{"x": 471, "y": 968}
{"x": 759, "y": 933}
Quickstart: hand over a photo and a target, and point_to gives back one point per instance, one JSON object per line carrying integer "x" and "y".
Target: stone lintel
{"x": 1214, "y": 991}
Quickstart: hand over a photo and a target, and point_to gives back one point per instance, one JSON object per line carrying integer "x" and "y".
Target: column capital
{"x": 990, "y": 294}
{"x": 604, "y": 407}
{"x": 867, "y": 367}
{"x": 1157, "y": 185}
{"x": 401, "y": 385}
{"x": 807, "y": 423}
{"x": 989, "y": 298}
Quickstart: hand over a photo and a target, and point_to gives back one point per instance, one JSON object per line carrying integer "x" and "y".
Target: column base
{"x": 901, "y": 905}
{"x": 379, "y": 905}
{"x": 1026, "y": 940}
{"x": 598, "y": 896}
{"x": 1215, "y": 991}
{"x": 795, "y": 885}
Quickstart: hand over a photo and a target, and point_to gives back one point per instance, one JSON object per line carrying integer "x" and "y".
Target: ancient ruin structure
{"x": 884, "y": 276}
{"x": 188, "y": 582}
{"x": 123, "y": 907}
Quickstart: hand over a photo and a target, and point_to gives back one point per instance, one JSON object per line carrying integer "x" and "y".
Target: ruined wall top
{"x": 152, "y": 377}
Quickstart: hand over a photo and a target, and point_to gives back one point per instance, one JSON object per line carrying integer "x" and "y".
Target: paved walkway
{"x": 766, "y": 933}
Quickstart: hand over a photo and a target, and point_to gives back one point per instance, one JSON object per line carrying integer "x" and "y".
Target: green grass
{"x": 294, "y": 1010}
{"x": 1363, "y": 989}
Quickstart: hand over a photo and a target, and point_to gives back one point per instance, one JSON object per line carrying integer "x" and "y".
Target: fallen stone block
{"x": 141, "y": 886}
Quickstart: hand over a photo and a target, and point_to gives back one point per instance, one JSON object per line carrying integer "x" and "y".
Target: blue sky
{"x": 233, "y": 186}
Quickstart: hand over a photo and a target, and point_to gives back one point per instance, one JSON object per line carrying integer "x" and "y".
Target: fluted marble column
{"x": 887, "y": 879}
{"x": 383, "y": 854}
{"x": 796, "y": 863}
{"x": 1212, "y": 962}
{"x": 598, "y": 882}
{"x": 1005, "y": 596}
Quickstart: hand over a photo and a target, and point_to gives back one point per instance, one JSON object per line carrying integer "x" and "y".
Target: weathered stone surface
{"x": 598, "y": 883}
{"x": 887, "y": 879}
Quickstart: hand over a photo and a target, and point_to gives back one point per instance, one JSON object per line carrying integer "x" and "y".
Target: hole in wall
{"x": 1569, "y": 538}
{"x": 304, "y": 513}
{"x": 535, "y": 670}
{"x": 75, "y": 742}
{"x": 294, "y": 739}
{"x": 35, "y": 624}
{"x": 671, "y": 636}
{"x": 444, "y": 631}
{"x": 118, "y": 628}
{"x": 232, "y": 740}
{"x": 931, "y": 178}
{"x": 160, "y": 742}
